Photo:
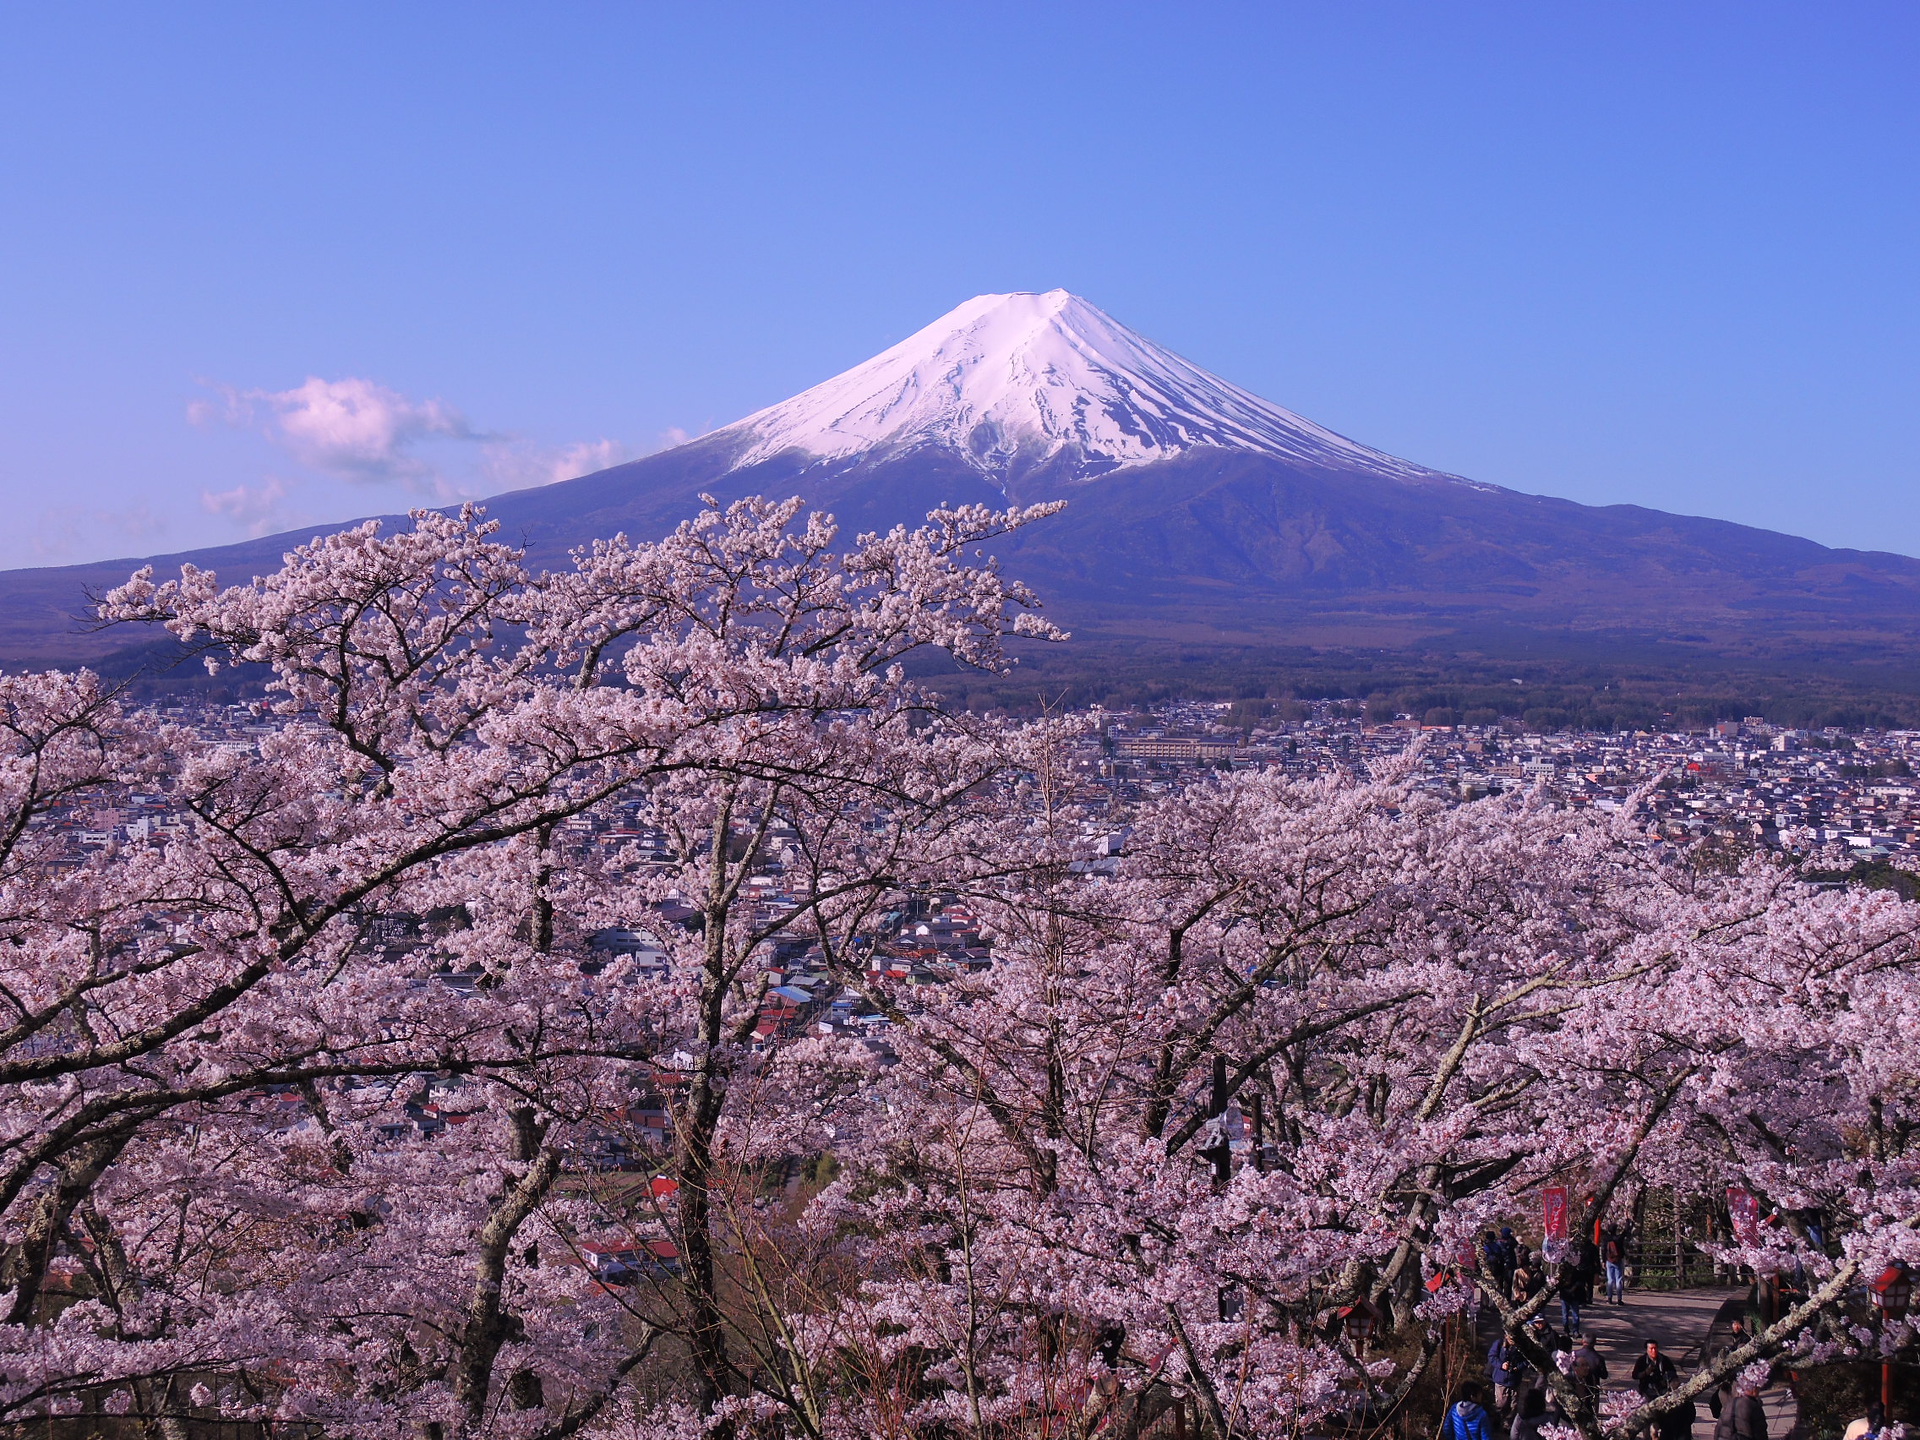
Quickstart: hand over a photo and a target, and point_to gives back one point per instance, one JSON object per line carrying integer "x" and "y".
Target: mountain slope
{"x": 1197, "y": 512}
{"x": 1017, "y": 383}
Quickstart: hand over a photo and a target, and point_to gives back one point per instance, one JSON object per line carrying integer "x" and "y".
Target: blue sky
{"x": 270, "y": 265}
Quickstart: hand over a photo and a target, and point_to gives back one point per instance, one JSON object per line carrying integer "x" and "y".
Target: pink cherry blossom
{"x": 325, "y": 1105}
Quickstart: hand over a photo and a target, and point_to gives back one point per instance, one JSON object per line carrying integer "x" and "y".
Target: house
{"x": 628, "y": 1262}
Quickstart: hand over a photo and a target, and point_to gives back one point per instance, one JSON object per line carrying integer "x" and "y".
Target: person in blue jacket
{"x": 1506, "y": 1367}
{"x": 1465, "y": 1418}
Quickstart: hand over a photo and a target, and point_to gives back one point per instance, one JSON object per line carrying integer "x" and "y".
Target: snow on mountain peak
{"x": 1011, "y": 381}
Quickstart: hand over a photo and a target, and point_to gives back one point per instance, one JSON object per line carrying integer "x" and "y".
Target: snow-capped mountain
{"x": 1198, "y": 515}
{"x": 1014, "y": 382}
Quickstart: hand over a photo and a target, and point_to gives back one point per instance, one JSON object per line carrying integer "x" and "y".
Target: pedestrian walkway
{"x": 1679, "y": 1321}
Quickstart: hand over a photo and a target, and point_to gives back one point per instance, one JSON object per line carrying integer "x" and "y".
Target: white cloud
{"x": 520, "y": 465}
{"x": 586, "y": 457}
{"x": 358, "y": 431}
{"x": 513, "y": 463}
{"x": 352, "y": 429}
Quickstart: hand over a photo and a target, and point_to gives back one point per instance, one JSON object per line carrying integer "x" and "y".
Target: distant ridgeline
{"x": 1216, "y": 544}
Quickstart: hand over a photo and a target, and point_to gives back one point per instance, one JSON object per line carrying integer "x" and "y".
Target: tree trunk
{"x": 488, "y": 1324}
{"x": 78, "y": 1175}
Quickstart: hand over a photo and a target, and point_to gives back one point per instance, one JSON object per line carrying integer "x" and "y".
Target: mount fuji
{"x": 1027, "y": 384}
{"x": 1201, "y": 517}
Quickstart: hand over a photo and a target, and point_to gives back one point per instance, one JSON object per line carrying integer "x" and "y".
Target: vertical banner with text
{"x": 1553, "y": 1220}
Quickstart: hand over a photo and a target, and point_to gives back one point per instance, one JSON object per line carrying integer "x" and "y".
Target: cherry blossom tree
{"x": 220, "y": 1057}
{"x": 330, "y": 1106}
{"x": 1302, "y": 1046}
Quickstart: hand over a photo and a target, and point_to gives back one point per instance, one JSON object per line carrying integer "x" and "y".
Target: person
{"x": 1614, "y": 1255}
{"x": 1869, "y": 1425}
{"x": 1653, "y": 1373}
{"x": 1586, "y": 1263}
{"x": 1542, "y": 1333}
{"x": 1531, "y": 1415}
{"x": 1494, "y": 1256}
{"x": 1466, "y": 1419}
{"x": 1576, "y": 1289}
{"x": 1525, "y": 1283}
{"x": 1505, "y": 1366}
{"x": 1743, "y": 1419}
{"x": 1589, "y": 1370}
{"x": 1677, "y": 1423}
{"x": 1718, "y": 1351}
{"x": 1509, "y": 1249}
{"x": 1581, "y": 1251}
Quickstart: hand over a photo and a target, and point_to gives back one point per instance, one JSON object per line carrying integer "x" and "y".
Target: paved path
{"x": 1679, "y": 1320}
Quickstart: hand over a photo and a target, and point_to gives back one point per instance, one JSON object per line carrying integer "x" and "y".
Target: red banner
{"x": 1554, "y": 1217}
{"x": 1744, "y": 1208}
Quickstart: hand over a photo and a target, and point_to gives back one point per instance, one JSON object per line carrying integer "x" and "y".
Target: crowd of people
{"x": 1573, "y": 1266}
{"x": 1522, "y": 1401}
